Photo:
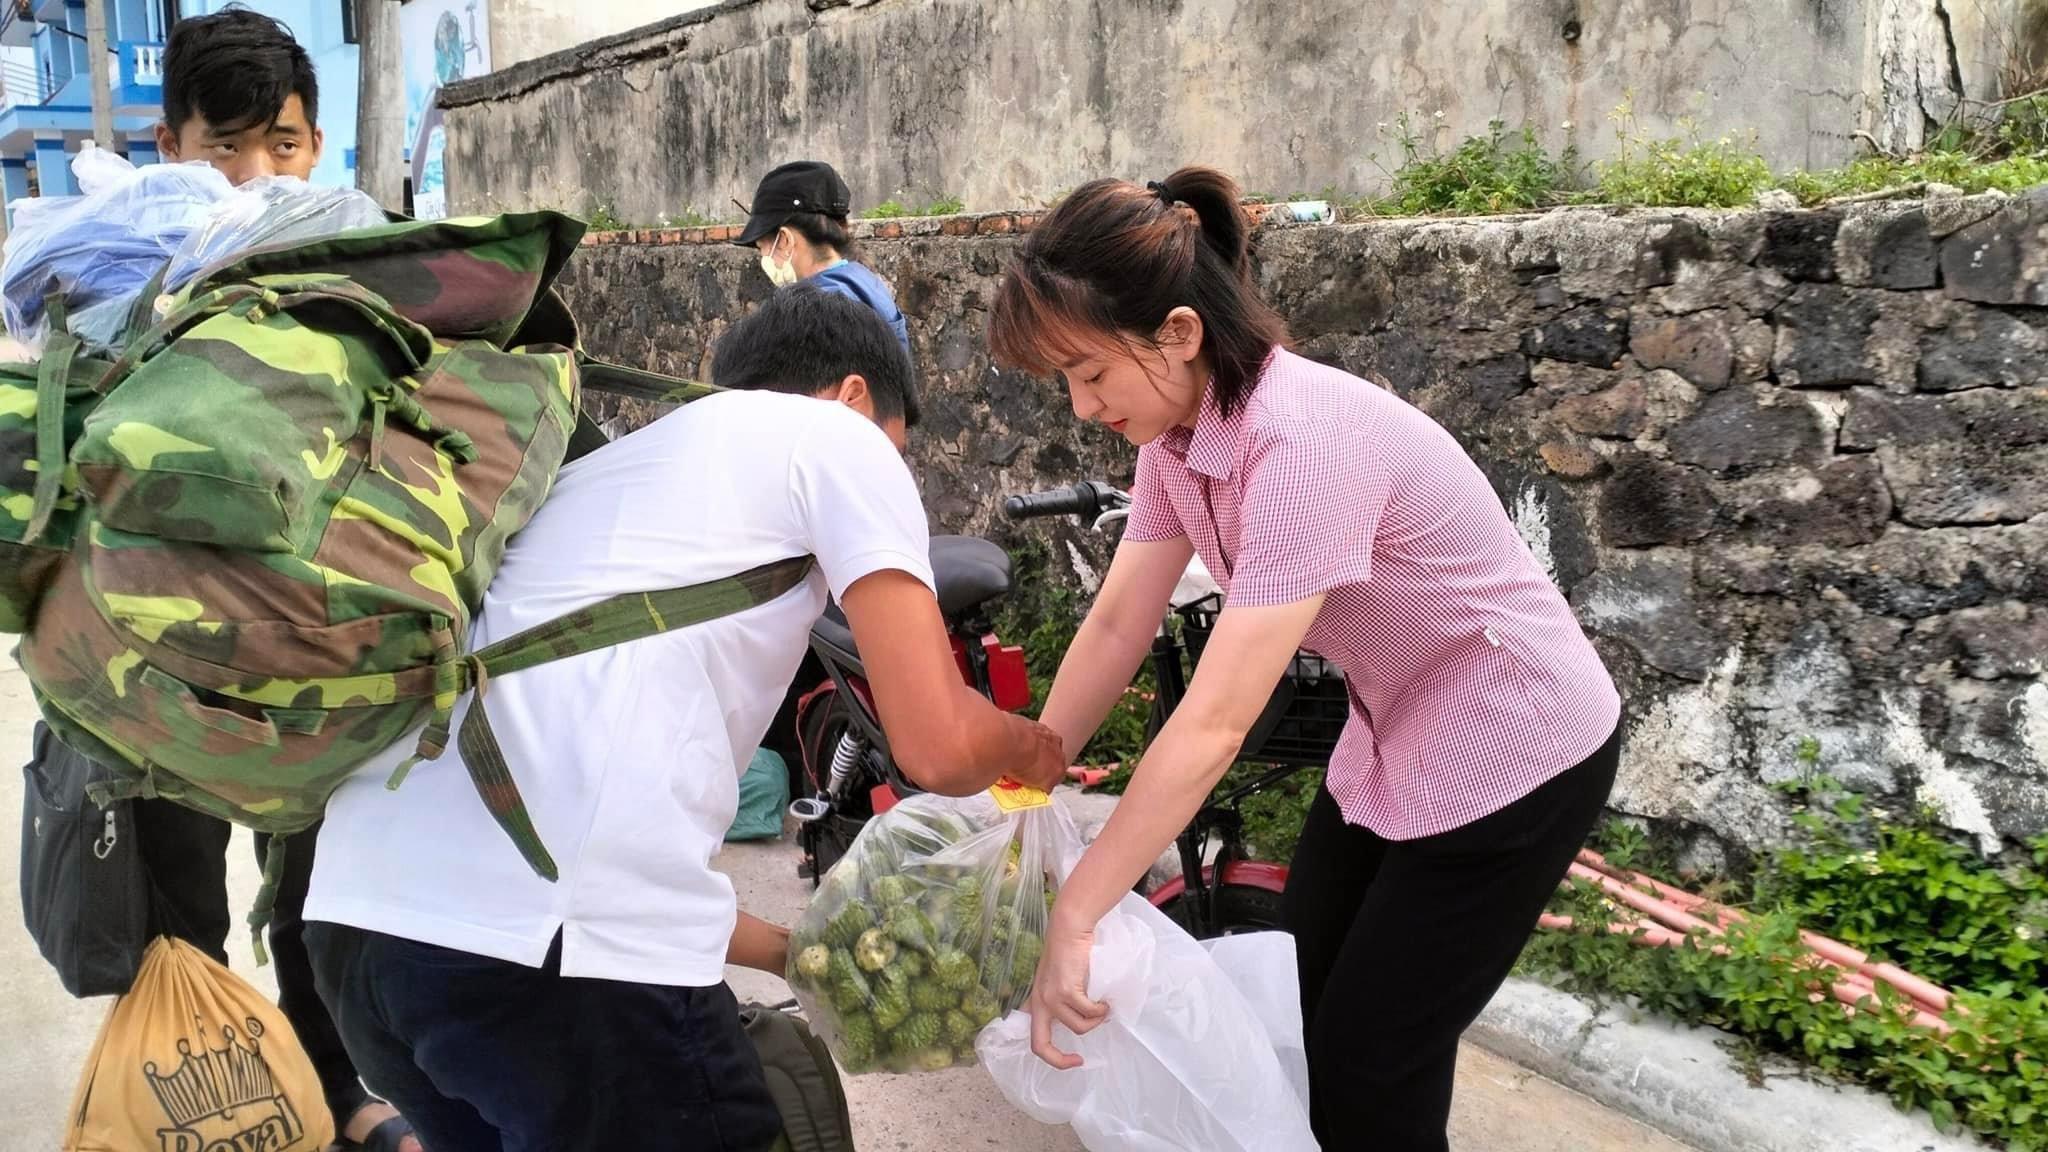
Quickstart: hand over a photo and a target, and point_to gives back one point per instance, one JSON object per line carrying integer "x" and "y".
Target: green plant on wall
{"x": 1687, "y": 170}
{"x": 601, "y": 218}
{"x": 893, "y": 209}
{"x": 1490, "y": 173}
{"x": 2004, "y": 148}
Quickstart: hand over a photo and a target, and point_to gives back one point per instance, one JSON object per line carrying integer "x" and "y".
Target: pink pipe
{"x": 1853, "y": 990}
{"x": 1644, "y": 902}
{"x": 1930, "y": 995}
{"x": 1678, "y": 896}
{"x": 1641, "y": 933}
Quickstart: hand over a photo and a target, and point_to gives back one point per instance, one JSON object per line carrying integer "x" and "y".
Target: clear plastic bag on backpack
{"x": 99, "y": 250}
{"x": 926, "y": 930}
{"x": 270, "y": 211}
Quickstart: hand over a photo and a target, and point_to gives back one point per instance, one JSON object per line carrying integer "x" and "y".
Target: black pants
{"x": 482, "y": 1055}
{"x": 186, "y": 853}
{"x": 1400, "y": 945}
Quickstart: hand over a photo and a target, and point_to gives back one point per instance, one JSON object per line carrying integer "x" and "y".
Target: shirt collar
{"x": 1210, "y": 447}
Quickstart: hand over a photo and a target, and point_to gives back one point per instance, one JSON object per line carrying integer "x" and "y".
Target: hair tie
{"x": 1159, "y": 189}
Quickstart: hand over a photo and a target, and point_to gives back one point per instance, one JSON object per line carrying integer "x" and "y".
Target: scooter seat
{"x": 970, "y": 572}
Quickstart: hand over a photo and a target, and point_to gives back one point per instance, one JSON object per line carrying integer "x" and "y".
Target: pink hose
{"x": 1931, "y": 996}
{"x": 1676, "y": 915}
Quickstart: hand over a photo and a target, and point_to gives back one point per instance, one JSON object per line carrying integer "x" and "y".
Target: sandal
{"x": 386, "y": 1137}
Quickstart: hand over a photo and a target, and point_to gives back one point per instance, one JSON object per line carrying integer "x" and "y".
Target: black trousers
{"x": 1401, "y": 944}
{"x": 186, "y": 853}
{"x": 483, "y": 1055}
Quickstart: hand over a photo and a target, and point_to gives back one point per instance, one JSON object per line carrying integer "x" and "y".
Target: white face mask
{"x": 781, "y": 274}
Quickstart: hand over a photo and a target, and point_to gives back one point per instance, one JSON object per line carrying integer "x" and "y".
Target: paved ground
{"x": 44, "y": 1034}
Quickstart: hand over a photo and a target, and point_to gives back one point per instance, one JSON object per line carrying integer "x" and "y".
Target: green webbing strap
{"x": 637, "y": 384}
{"x": 266, "y": 897}
{"x": 53, "y": 381}
{"x": 618, "y": 620}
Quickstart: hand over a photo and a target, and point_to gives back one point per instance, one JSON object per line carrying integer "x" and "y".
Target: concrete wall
{"x": 1011, "y": 103}
{"x": 523, "y": 30}
{"x": 1791, "y": 469}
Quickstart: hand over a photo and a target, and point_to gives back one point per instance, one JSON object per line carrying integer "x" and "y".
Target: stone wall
{"x": 1010, "y": 103}
{"x": 1792, "y": 469}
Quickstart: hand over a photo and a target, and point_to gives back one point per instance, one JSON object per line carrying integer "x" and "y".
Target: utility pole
{"x": 380, "y": 105}
{"x": 102, "y": 81}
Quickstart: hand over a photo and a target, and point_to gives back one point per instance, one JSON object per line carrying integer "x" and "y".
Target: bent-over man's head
{"x": 817, "y": 343}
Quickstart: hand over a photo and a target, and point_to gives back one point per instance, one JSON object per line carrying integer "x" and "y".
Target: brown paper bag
{"x": 192, "y": 1059}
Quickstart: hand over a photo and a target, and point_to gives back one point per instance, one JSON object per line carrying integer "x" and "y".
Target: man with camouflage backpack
{"x": 241, "y": 94}
{"x": 502, "y": 1010}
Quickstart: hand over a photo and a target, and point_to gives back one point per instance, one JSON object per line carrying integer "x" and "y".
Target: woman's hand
{"x": 1061, "y": 990}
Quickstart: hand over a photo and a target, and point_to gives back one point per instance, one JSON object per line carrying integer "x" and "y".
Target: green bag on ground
{"x": 764, "y": 793}
{"x": 803, "y": 1081}
{"x": 275, "y": 512}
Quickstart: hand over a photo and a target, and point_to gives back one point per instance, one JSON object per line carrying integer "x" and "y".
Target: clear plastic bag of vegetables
{"x": 928, "y": 929}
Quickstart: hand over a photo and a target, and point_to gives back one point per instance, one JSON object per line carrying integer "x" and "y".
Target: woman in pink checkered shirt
{"x": 1483, "y": 736}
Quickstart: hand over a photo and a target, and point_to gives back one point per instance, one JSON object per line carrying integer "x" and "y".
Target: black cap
{"x": 797, "y": 187}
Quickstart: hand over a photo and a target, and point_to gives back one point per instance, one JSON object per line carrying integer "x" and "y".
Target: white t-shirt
{"x": 629, "y": 758}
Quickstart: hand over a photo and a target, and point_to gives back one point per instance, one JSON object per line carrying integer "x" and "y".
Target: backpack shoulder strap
{"x": 618, "y": 620}
{"x": 802, "y": 1079}
{"x": 585, "y": 438}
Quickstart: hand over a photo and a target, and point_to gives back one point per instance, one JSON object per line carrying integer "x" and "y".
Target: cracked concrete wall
{"x": 523, "y": 30}
{"x": 1791, "y": 469}
{"x": 1009, "y": 104}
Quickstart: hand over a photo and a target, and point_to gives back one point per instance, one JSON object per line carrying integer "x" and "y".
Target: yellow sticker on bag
{"x": 1012, "y": 796}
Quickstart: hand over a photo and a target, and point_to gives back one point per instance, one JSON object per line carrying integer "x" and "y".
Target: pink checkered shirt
{"x": 1470, "y": 680}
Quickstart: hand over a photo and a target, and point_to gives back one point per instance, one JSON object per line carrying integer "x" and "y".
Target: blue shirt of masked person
{"x": 799, "y": 224}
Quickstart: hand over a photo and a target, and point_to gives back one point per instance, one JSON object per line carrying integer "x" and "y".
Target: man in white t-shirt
{"x": 498, "y": 1010}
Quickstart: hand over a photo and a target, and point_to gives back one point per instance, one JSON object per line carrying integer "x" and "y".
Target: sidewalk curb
{"x": 1677, "y": 1079}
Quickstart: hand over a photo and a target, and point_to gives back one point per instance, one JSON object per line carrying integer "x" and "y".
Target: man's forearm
{"x": 993, "y": 744}
{"x": 759, "y": 945}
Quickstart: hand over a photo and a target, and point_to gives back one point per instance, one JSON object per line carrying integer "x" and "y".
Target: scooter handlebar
{"x": 1087, "y": 498}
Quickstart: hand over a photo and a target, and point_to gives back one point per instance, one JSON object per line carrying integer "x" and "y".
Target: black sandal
{"x": 386, "y": 1137}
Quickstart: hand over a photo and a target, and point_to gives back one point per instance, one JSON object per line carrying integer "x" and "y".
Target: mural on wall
{"x": 442, "y": 41}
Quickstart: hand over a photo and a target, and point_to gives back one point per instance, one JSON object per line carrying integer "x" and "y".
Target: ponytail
{"x": 1117, "y": 257}
{"x": 1215, "y": 199}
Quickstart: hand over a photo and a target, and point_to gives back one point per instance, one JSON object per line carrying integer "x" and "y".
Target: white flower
{"x": 1566, "y": 126}
{"x": 1439, "y": 113}
{"x": 1382, "y": 125}
{"x": 2023, "y": 932}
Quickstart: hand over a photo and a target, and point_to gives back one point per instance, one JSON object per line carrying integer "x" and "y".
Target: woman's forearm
{"x": 1246, "y": 656}
{"x": 1177, "y": 775}
{"x": 1093, "y": 675}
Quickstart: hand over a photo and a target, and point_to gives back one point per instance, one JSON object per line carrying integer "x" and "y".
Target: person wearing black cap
{"x": 798, "y": 221}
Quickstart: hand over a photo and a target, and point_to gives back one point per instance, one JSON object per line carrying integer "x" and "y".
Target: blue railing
{"x": 138, "y": 76}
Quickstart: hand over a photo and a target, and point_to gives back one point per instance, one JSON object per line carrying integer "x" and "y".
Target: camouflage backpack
{"x": 245, "y": 552}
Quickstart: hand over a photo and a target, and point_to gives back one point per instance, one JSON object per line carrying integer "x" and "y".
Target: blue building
{"x": 46, "y": 95}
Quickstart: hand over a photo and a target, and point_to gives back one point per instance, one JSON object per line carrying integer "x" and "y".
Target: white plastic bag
{"x": 1185, "y": 1062}
{"x": 1261, "y": 965}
